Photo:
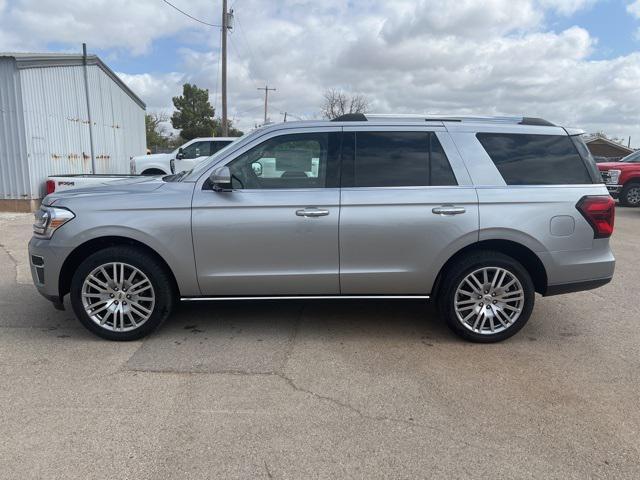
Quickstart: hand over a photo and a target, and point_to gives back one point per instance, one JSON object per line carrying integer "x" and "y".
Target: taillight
{"x": 600, "y": 212}
{"x": 51, "y": 186}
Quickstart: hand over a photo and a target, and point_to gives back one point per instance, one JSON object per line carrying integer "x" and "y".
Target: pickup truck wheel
{"x": 486, "y": 297}
{"x": 121, "y": 293}
{"x": 630, "y": 195}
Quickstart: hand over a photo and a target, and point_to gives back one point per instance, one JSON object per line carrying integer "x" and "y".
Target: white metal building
{"x": 44, "y": 122}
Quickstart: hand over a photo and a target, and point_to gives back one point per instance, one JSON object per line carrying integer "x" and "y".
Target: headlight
{"x": 614, "y": 176}
{"x": 172, "y": 165}
{"x": 49, "y": 219}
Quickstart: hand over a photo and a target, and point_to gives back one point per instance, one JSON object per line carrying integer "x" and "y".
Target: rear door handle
{"x": 312, "y": 212}
{"x": 448, "y": 210}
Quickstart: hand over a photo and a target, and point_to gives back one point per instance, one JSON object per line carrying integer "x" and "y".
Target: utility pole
{"x": 226, "y": 17}
{"x": 266, "y": 99}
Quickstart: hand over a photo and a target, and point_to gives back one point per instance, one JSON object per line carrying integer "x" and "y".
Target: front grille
{"x": 606, "y": 176}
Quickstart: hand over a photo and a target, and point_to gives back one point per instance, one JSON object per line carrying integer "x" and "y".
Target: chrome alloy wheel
{"x": 489, "y": 300}
{"x": 118, "y": 297}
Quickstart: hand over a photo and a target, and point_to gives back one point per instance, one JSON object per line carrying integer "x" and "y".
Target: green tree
{"x": 194, "y": 115}
{"x": 233, "y": 132}
{"x": 155, "y": 136}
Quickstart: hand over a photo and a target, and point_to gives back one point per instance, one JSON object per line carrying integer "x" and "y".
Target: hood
{"x": 127, "y": 186}
{"x": 153, "y": 157}
{"x": 615, "y": 165}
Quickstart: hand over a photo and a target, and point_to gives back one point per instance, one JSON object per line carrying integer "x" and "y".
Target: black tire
{"x": 158, "y": 277}
{"x": 454, "y": 277}
{"x": 630, "y": 195}
{"x": 153, "y": 171}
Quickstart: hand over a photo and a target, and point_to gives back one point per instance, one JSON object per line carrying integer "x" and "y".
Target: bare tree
{"x": 337, "y": 102}
{"x": 601, "y": 134}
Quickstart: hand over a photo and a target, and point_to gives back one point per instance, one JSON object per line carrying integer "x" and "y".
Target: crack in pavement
{"x": 266, "y": 467}
{"x": 291, "y": 383}
{"x": 13, "y": 260}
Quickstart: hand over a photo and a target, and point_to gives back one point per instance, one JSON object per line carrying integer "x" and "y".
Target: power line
{"x": 190, "y": 16}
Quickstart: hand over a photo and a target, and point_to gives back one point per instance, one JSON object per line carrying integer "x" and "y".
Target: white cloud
{"x": 634, "y": 8}
{"x": 406, "y": 56}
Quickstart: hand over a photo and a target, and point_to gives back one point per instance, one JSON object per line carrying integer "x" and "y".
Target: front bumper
{"x": 46, "y": 262}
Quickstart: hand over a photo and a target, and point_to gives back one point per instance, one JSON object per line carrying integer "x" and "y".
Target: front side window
{"x": 529, "y": 159}
{"x": 395, "y": 159}
{"x": 306, "y": 160}
{"x": 195, "y": 150}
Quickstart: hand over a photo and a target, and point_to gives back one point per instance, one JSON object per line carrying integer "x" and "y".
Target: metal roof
{"x": 42, "y": 60}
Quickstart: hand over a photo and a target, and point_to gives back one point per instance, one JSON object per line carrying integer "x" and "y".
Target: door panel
{"x": 392, "y": 243}
{"x": 256, "y": 242}
{"x": 276, "y": 232}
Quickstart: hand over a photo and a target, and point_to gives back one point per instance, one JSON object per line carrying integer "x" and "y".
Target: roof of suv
{"x": 447, "y": 121}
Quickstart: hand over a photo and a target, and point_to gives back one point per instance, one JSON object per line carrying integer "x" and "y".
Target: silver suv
{"x": 479, "y": 213}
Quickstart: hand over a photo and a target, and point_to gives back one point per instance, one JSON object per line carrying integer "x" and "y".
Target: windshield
{"x": 632, "y": 158}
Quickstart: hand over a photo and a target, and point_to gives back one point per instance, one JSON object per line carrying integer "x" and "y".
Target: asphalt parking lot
{"x": 321, "y": 389}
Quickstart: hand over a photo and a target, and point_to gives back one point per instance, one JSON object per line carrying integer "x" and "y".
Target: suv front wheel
{"x": 486, "y": 296}
{"x": 121, "y": 293}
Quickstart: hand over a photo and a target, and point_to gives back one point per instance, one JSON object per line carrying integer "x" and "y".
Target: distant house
{"x": 601, "y": 148}
{"x": 46, "y": 101}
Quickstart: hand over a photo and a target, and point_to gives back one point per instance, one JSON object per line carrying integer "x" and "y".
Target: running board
{"x": 312, "y": 297}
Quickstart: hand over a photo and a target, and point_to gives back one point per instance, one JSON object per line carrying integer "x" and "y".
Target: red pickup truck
{"x": 623, "y": 179}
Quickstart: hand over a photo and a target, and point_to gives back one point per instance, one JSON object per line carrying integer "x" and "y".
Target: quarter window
{"x": 395, "y": 159}
{"x": 535, "y": 159}
{"x": 307, "y": 160}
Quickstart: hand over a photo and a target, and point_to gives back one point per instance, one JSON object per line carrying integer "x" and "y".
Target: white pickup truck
{"x": 183, "y": 158}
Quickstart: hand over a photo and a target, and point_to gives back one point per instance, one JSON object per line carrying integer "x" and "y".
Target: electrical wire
{"x": 190, "y": 16}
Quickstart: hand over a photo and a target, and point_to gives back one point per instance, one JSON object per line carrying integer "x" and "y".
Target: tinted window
{"x": 535, "y": 159}
{"x": 306, "y": 160}
{"x": 396, "y": 159}
{"x": 441, "y": 173}
{"x": 218, "y": 145}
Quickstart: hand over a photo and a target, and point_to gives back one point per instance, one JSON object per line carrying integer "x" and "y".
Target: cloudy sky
{"x": 575, "y": 62}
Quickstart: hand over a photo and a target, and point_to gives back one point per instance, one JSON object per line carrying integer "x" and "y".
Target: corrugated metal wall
{"x": 56, "y": 126}
{"x": 14, "y": 176}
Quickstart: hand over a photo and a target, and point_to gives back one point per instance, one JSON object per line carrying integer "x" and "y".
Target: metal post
{"x": 86, "y": 91}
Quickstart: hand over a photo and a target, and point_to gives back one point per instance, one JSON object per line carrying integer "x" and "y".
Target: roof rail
{"x": 360, "y": 117}
{"x": 350, "y": 117}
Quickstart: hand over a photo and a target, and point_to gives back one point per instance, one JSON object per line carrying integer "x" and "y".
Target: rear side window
{"x": 218, "y": 145}
{"x": 395, "y": 159}
{"x": 535, "y": 159}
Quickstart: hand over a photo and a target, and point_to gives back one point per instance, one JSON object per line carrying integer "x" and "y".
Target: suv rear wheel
{"x": 486, "y": 297}
{"x": 121, "y": 293}
{"x": 630, "y": 195}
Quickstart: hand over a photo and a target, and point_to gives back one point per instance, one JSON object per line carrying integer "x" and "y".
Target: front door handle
{"x": 312, "y": 212}
{"x": 448, "y": 210}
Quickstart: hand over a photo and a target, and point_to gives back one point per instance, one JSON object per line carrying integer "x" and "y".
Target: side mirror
{"x": 220, "y": 179}
{"x": 180, "y": 154}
